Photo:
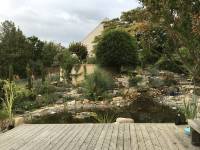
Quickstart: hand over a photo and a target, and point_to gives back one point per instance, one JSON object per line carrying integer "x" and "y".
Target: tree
{"x": 180, "y": 18}
{"x": 66, "y": 61}
{"x": 79, "y": 49}
{"x": 13, "y": 49}
{"x": 115, "y": 49}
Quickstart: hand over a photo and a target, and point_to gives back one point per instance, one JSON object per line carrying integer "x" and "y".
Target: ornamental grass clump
{"x": 97, "y": 84}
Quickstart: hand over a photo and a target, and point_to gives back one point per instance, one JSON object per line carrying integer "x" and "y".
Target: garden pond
{"x": 141, "y": 111}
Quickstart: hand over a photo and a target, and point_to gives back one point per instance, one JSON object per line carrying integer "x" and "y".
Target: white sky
{"x": 61, "y": 21}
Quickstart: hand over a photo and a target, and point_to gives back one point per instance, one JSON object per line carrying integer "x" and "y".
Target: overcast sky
{"x": 61, "y": 21}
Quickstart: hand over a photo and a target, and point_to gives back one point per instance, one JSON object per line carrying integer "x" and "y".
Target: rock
{"x": 155, "y": 82}
{"x": 36, "y": 115}
{"x": 104, "y": 102}
{"x": 52, "y": 112}
{"x": 83, "y": 115}
{"x": 71, "y": 103}
{"x": 73, "y": 93}
{"x": 119, "y": 98}
{"x": 123, "y": 81}
{"x": 18, "y": 121}
{"x": 60, "y": 101}
{"x": 86, "y": 101}
{"x": 124, "y": 120}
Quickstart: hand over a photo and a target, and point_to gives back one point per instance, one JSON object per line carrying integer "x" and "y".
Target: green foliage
{"x": 67, "y": 61}
{"x": 3, "y": 115}
{"x": 79, "y": 49}
{"x": 135, "y": 15}
{"x": 29, "y": 77}
{"x": 13, "y": 49}
{"x": 181, "y": 20}
{"x": 190, "y": 108}
{"x": 1, "y": 92}
{"x": 96, "y": 84}
{"x": 171, "y": 65}
{"x": 25, "y": 101}
{"x": 9, "y": 98}
{"x": 105, "y": 118}
{"x": 155, "y": 43}
{"x": 116, "y": 49}
{"x": 44, "y": 88}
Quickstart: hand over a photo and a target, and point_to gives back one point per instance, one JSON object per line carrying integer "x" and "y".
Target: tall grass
{"x": 190, "y": 108}
{"x": 96, "y": 84}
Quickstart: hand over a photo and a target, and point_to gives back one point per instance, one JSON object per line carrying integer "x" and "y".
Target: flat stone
{"x": 86, "y": 101}
{"x": 124, "y": 120}
{"x": 71, "y": 103}
{"x": 18, "y": 121}
{"x": 60, "y": 101}
{"x": 117, "y": 98}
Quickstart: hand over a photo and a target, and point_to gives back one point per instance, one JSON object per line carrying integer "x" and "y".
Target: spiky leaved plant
{"x": 9, "y": 92}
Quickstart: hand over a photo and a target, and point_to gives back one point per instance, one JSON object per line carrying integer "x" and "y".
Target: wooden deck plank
{"x": 134, "y": 144}
{"x": 38, "y": 139}
{"x": 107, "y": 139}
{"x": 140, "y": 140}
{"x": 18, "y": 132}
{"x": 21, "y": 139}
{"x": 164, "y": 138}
{"x": 146, "y": 137}
{"x": 88, "y": 139}
{"x": 68, "y": 139}
{"x": 56, "y": 138}
{"x": 80, "y": 140}
{"x": 136, "y": 136}
{"x": 153, "y": 137}
{"x": 66, "y": 133}
{"x": 113, "y": 142}
{"x": 173, "y": 137}
{"x": 92, "y": 143}
{"x": 182, "y": 140}
{"x": 120, "y": 137}
{"x": 45, "y": 140}
{"x": 127, "y": 137}
{"x": 100, "y": 141}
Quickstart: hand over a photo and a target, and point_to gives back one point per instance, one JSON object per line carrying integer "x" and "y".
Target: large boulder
{"x": 124, "y": 120}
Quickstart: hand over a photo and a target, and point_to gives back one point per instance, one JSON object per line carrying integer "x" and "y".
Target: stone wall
{"x": 89, "y": 70}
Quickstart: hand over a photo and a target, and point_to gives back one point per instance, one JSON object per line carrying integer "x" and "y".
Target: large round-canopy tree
{"x": 79, "y": 49}
{"x": 115, "y": 49}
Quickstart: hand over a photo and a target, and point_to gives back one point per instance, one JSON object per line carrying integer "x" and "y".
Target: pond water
{"x": 146, "y": 111}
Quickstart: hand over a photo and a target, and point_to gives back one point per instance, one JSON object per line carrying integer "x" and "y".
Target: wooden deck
{"x": 95, "y": 137}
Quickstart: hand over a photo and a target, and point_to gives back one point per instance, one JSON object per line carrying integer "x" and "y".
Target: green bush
{"x": 25, "y": 100}
{"x": 1, "y": 92}
{"x": 44, "y": 88}
{"x": 3, "y": 115}
{"x": 79, "y": 49}
{"x": 116, "y": 49}
{"x": 96, "y": 84}
{"x": 174, "y": 66}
